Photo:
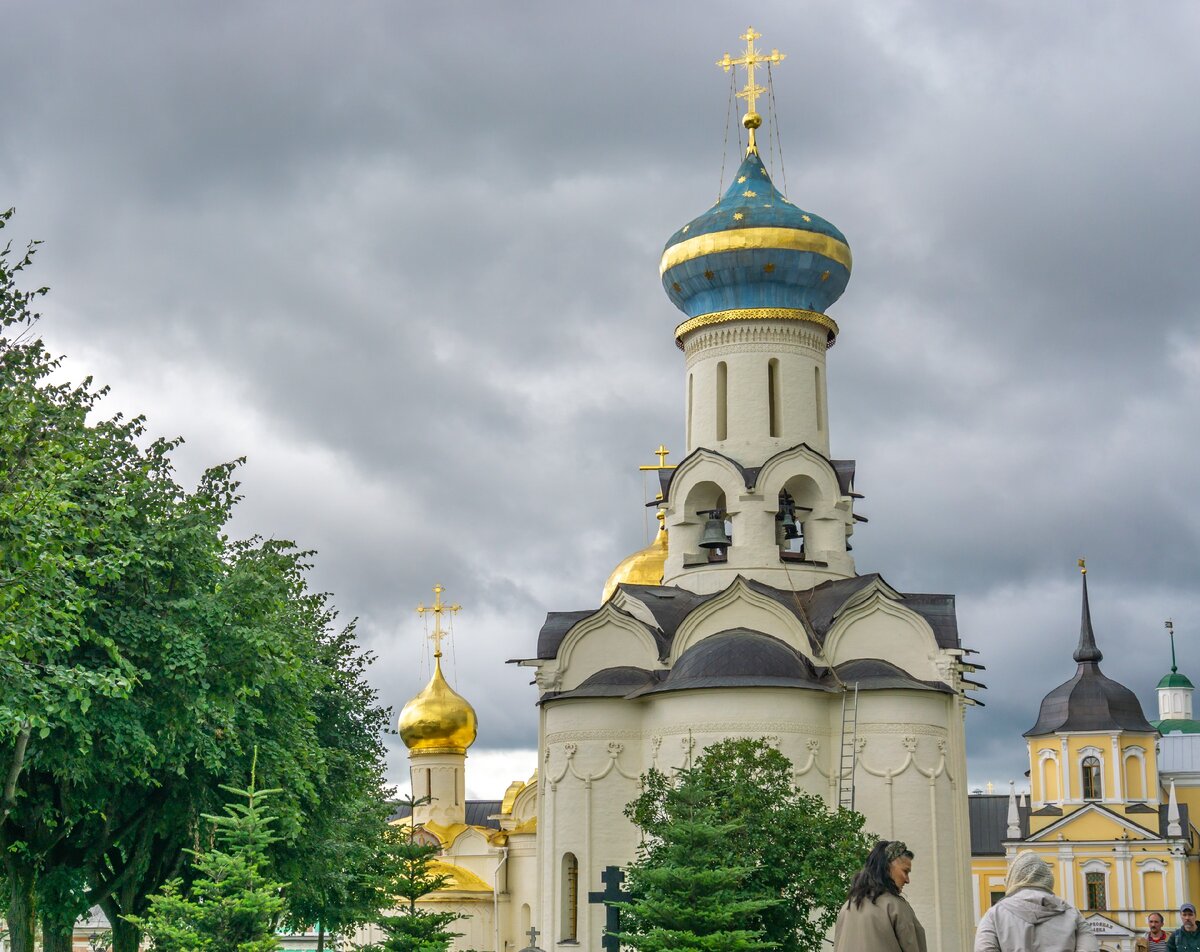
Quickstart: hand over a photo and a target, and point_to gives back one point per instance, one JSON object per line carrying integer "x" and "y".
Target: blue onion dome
{"x": 755, "y": 255}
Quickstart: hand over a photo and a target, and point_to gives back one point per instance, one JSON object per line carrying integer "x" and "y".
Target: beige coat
{"x": 887, "y": 925}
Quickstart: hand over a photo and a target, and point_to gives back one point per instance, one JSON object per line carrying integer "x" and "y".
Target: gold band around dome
{"x": 756, "y": 314}
{"x": 746, "y": 239}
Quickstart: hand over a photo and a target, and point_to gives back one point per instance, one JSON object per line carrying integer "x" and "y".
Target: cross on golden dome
{"x": 750, "y": 59}
{"x": 437, "y": 609}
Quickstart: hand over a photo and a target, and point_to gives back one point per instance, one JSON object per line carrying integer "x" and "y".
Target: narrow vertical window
{"x": 1091, "y": 779}
{"x": 818, "y": 401}
{"x": 773, "y": 406}
{"x": 570, "y": 898}
{"x": 688, "y": 425}
{"x": 1095, "y": 891}
{"x": 722, "y": 400}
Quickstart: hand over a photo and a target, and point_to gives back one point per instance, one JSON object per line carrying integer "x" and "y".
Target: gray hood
{"x": 1035, "y": 906}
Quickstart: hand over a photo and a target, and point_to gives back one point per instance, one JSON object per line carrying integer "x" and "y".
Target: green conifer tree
{"x": 411, "y": 876}
{"x": 232, "y": 904}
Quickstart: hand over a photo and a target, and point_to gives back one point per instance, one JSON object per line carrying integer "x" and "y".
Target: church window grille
{"x": 773, "y": 402}
{"x": 1092, "y": 789}
{"x": 570, "y": 898}
{"x": 722, "y": 400}
{"x": 1095, "y": 891}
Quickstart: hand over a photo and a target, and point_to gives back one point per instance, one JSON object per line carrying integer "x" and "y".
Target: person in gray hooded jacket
{"x": 1030, "y": 918}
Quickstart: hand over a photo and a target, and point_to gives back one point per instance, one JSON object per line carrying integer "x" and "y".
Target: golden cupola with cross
{"x": 437, "y": 726}
{"x": 439, "y": 719}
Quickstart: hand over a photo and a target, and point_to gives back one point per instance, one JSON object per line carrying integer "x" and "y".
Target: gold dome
{"x": 642, "y": 568}
{"x": 438, "y": 720}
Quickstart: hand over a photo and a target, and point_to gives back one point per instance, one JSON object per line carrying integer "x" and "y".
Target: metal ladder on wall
{"x": 849, "y": 758}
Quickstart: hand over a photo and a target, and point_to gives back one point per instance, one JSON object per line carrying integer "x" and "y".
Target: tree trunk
{"x": 126, "y": 937}
{"x": 56, "y": 937}
{"x": 320, "y": 937}
{"x": 22, "y": 907}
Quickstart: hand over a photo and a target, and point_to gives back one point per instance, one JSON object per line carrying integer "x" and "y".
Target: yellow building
{"x": 1103, "y": 808}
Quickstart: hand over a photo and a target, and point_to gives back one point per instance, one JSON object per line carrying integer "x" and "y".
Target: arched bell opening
{"x": 707, "y": 532}
{"x": 798, "y": 498}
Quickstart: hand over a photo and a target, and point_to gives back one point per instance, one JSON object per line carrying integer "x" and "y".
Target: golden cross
{"x": 438, "y": 609}
{"x": 662, "y": 453}
{"x": 751, "y": 91}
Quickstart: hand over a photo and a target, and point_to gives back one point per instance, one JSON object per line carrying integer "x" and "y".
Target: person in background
{"x": 1030, "y": 918}
{"x": 1156, "y": 939}
{"x": 876, "y": 918}
{"x": 1187, "y": 936}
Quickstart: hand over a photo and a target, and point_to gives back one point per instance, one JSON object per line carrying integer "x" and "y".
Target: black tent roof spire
{"x": 1087, "y": 650}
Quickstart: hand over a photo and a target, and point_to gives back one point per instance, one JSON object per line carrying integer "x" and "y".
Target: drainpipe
{"x": 496, "y": 895}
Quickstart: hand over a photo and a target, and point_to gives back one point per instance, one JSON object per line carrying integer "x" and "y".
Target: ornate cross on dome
{"x": 751, "y": 91}
{"x": 437, "y": 609}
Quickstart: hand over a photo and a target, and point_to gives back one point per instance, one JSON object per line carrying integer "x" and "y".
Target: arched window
{"x": 570, "y": 899}
{"x": 722, "y": 400}
{"x": 773, "y": 399}
{"x": 1092, "y": 789}
{"x": 688, "y": 424}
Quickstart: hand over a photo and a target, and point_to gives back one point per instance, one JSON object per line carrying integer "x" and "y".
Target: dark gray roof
{"x": 1090, "y": 701}
{"x": 555, "y": 628}
{"x": 988, "y": 816}
{"x": 477, "y": 812}
{"x": 940, "y": 612}
{"x": 610, "y": 682}
{"x": 740, "y": 657}
{"x": 875, "y": 674}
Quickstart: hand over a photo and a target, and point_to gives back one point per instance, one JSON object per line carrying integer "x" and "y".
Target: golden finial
{"x": 1082, "y": 566}
{"x": 751, "y": 91}
{"x": 438, "y": 609}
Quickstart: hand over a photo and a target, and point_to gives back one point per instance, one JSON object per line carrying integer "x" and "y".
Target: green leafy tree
{"x": 411, "y": 877}
{"x": 232, "y": 903}
{"x": 736, "y": 819}
{"x": 144, "y": 657}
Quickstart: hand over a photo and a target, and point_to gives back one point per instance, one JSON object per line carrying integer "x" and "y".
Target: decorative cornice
{"x": 799, "y": 337}
{"x": 757, "y": 314}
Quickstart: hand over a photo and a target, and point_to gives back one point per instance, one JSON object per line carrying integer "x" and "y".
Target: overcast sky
{"x": 404, "y": 258}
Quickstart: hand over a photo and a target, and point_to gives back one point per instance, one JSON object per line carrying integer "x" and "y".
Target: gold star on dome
{"x": 741, "y": 179}
{"x": 709, "y": 275}
{"x": 738, "y": 216}
{"x": 683, "y": 230}
{"x": 806, "y": 218}
{"x": 749, "y": 194}
{"x": 824, "y": 275}
{"x": 768, "y": 267}
{"x": 677, "y": 287}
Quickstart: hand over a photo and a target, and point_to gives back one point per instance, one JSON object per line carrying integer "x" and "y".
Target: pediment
{"x": 1093, "y": 822}
{"x": 740, "y": 606}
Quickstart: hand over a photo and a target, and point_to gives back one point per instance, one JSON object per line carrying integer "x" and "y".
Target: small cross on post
{"x": 612, "y": 877}
{"x": 533, "y": 936}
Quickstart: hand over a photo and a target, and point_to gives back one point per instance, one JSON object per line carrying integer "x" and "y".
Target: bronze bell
{"x": 714, "y": 536}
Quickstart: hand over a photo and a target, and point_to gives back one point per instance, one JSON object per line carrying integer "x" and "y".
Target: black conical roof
{"x": 1090, "y": 701}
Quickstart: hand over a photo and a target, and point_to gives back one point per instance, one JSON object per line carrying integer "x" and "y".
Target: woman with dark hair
{"x": 876, "y": 918}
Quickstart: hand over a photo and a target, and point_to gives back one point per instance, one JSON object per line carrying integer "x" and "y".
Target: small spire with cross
{"x": 1170, "y": 626}
{"x": 1082, "y": 566}
{"x": 662, "y": 453}
{"x": 750, "y": 59}
{"x": 437, "y": 609}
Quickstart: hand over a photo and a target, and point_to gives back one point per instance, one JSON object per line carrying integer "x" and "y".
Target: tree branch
{"x": 9, "y": 800}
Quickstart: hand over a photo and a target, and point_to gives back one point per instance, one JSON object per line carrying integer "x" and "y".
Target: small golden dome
{"x": 438, "y": 720}
{"x": 642, "y": 568}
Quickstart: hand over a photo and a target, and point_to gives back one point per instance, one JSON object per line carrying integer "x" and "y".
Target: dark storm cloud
{"x": 404, "y": 257}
